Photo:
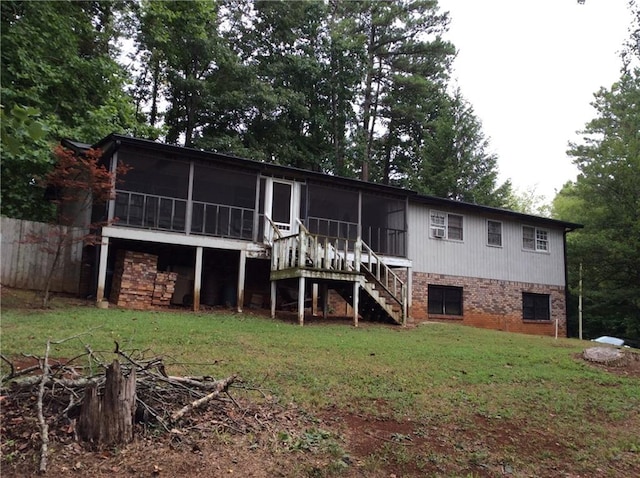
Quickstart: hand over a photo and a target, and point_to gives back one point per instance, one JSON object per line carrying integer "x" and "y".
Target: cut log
{"x": 108, "y": 419}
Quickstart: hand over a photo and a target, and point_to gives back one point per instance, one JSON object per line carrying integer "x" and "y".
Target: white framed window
{"x": 446, "y": 226}
{"x": 534, "y": 239}
{"x": 494, "y": 233}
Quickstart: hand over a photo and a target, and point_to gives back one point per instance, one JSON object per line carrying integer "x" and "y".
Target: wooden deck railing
{"x": 308, "y": 251}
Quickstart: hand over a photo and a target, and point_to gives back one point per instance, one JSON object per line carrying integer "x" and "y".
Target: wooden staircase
{"x": 347, "y": 266}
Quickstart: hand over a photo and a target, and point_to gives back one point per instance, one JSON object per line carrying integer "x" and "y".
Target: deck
{"x": 347, "y": 266}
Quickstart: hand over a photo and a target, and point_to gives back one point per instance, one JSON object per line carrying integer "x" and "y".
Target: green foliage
{"x": 454, "y": 161}
{"x": 24, "y": 159}
{"x": 181, "y": 48}
{"x": 527, "y": 201}
{"x": 59, "y": 58}
{"x": 606, "y": 199}
{"x": 405, "y": 61}
{"x": 349, "y": 88}
{"x": 59, "y": 78}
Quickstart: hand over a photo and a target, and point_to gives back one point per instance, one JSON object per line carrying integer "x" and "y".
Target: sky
{"x": 530, "y": 69}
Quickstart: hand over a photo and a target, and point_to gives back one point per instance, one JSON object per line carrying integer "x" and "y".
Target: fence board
{"x": 25, "y": 265}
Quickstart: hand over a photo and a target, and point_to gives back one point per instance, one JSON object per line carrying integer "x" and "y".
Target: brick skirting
{"x": 491, "y": 304}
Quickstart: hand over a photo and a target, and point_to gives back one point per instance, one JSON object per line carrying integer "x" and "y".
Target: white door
{"x": 282, "y": 204}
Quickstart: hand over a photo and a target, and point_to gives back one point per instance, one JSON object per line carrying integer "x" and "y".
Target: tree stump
{"x": 107, "y": 419}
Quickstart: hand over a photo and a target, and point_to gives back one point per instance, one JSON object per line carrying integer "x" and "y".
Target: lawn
{"x": 473, "y": 402}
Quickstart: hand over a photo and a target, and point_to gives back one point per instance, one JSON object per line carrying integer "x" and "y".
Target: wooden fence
{"x": 25, "y": 263}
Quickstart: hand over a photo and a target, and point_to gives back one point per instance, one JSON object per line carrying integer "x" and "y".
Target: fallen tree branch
{"x": 192, "y": 382}
{"x": 29, "y": 382}
{"x": 44, "y": 428}
{"x": 220, "y": 386}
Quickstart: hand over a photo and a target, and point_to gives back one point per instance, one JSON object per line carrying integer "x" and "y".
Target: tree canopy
{"x": 59, "y": 67}
{"x": 606, "y": 199}
{"x": 354, "y": 88}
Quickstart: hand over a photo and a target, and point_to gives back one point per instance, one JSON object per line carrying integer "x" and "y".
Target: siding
{"x": 474, "y": 258}
{"x": 25, "y": 265}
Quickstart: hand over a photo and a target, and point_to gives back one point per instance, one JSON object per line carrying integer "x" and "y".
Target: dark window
{"x": 332, "y": 212}
{"x": 535, "y": 306}
{"x": 384, "y": 224}
{"x": 454, "y": 229}
{"x": 494, "y": 233}
{"x": 445, "y": 300}
{"x": 333, "y": 203}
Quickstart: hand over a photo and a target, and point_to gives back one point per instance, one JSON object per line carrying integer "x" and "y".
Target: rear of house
{"x": 487, "y": 267}
{"x": 192, "y": 228}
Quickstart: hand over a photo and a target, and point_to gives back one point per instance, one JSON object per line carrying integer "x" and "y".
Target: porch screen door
{"x": 282, "y": 206}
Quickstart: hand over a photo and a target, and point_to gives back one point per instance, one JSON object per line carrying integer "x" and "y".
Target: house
{"x": 194, "y": 227}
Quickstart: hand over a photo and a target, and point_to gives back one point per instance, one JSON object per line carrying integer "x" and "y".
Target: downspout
{"x": 566, "y": 283}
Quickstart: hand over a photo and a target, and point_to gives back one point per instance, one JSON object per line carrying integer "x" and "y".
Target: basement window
{"x": 444, "y": 300}
{"x": 536, "y": 306}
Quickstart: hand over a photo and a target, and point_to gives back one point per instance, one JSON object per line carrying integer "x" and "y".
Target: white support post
{"x": 409, "y": 286}
{"x": 189, "y": 216}
{"x": 356, "y": 293}
{"x": 241, "y": 274}
{"x": 102, "y": 269}
{"x": 273, "y": 299}
{"x": 112, "y": 202}
{"x": 314, "y": 300}
{"x": 301, "y": 282}
{"x": 197, "y": 280}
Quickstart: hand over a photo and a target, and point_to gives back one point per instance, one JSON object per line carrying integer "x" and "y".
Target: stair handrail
{"x": 388, "y": 275}
{"x": 274, "y": 227}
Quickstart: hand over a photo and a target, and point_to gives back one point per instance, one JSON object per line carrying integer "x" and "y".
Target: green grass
{"x": 435, "y": 374}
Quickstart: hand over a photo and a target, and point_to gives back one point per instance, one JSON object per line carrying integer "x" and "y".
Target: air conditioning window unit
{"x": 438, "y": 232}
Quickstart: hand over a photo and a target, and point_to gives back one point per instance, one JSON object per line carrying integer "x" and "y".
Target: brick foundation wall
{"x": 137, "y": 284}
{"x": 337, "y": 305}
{"x": 491, "y": 304}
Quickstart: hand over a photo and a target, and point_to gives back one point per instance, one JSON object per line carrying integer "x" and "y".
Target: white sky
{"x": 530, "y": 68}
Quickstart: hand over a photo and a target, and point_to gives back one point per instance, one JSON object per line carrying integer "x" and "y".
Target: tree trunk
{"x": 108, "y": 419}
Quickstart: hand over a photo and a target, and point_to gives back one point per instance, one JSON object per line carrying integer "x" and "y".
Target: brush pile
{"x": 85, "y": 399}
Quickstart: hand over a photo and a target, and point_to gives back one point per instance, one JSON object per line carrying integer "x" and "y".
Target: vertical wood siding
{"x": 25, "y": 265}
{"x": 472, "y": 257}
